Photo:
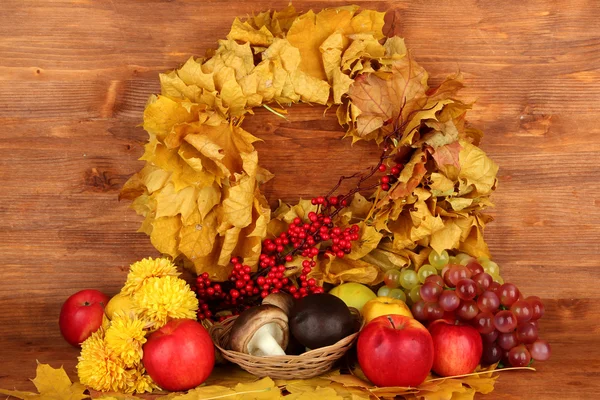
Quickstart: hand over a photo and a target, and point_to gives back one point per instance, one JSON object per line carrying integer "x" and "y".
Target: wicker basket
{"x": 306, "y": 365}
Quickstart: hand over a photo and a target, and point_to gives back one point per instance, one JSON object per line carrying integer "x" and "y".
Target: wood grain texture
{"x": 74, "y": 78}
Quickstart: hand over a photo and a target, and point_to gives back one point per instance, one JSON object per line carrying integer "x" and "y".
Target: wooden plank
{"x": 74, "y": 78}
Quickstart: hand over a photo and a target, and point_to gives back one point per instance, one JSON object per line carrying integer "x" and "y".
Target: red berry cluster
{"x": 387, "y": 180}
{"x": 302, "y": 238}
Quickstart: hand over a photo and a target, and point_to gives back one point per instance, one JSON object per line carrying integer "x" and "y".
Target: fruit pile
{"x": 466, "y": 290}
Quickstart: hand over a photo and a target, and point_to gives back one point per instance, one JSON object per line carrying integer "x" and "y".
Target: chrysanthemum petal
{"x": 142, "y": 270}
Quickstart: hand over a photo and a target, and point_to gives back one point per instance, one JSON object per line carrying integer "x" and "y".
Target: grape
{"x": 455, "y": 274}
{"x": 509, "y": 294}
{"x": 391, "y": 278}
{"x": 466, "y": 289}
{"x": 519, "y": 356}
{"x": 490, "y": 267}
{"x": 408, "y": 279}
{"x": 433, "y": 311}
{"x": 540, "y": 350}
{"x": 425, "y": 271}
{"x": 507, "y": 340}
{"x": 537, "y": 307}
{"x": 397, "y": 294}
{"x": 384, "y": 291}
{"x": 435, "y": 279}
{"x": 418, "y": 311}
{"x": 463, "y": 258}
{"x": 467, "y": 310}
{"x": 484, "y": 322}
{"x": 453, "y": 260}
{"x": 495, "y": 287}
{"x": 492, "y": 353}
{"x": 483, "y": 281}
{"x": 438, "y": 260}
{"x": 488, "y": 301}
{"x": 449, "y": 301}
{"x": 475, "y": 268}
{"x": 536, "y": 323}
{"x": 444, "y": 271}
{"x": 415, "y": 294}
{"x": 505, "y": 321}
{"x": 527, "y": 333}
{"x": 522, "y": 310}
{"x": 498, "y": 278}
{"x": 490, "y": 337}
{"x": 431, "y": 292}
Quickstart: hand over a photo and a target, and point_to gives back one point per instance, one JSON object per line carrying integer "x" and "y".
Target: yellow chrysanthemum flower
{"x": 100, "y": 368}
{"x": 148, "y": 268}
{"x": 163, "y": 299}
{"x": 125, "y": 337}
{"x": 144, "y": 382}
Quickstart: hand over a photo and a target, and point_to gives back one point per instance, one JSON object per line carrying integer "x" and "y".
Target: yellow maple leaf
{"x": 310, "y": 30}
{"x": 52, "y": 384}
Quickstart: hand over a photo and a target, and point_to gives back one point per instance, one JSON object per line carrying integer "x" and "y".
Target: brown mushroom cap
{"x": 282, "y": 300}
{"x": 251, "y": 320}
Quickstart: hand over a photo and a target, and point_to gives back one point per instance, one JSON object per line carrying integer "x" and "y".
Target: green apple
{"x": 353, "y": 294}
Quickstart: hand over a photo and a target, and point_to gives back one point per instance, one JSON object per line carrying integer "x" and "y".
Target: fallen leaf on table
{"x": 52, "y": 384}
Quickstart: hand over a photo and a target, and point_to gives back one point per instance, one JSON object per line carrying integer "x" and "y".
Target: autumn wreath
{"x": 200, "y": 188}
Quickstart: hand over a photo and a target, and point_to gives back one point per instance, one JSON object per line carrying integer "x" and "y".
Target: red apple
{"x": 458, "y": 348}
{"x": 395, "y": 350}
{"x": 180, "y": 355}
{"x": 81, "y": 315}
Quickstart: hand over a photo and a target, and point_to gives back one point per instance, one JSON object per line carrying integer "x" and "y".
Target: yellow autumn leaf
{"x": 244, "y": 32}
{"x": 165, "y": 231}
{"x": 317, "y": 393}
{"x": 446, "y": 238}
{"x": 208, "y": 198}
{"x": 191, "y": 73}
{"x": 170, "y": 202}
{"x": 440, "y": 185}
{"x": 52, "y": 384}
{"x": 339, "y": 270}
{"x": 310, "y": 30}
{"x": 368, "y": 240}
{"x": 163, "y": 113}
{"x": 197, "y": 238}
{"x": 263, "y": 389}
{"x": 237, "y": 202}
{"x": 477, "y": 168}
{"x": 331, "y": 53}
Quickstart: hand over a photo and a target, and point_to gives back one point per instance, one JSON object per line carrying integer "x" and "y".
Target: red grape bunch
{"x": 470, "y": 292}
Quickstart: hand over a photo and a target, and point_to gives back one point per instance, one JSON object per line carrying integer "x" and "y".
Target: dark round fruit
{"x": 320, "y": 320}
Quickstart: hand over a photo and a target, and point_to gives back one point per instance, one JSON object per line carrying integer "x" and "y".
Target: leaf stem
{"x": 484, "y": 372}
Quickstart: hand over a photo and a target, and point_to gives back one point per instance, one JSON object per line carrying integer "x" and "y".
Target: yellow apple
{"x": 120, "y": 303}
{"x": 353, "y": 294}
{"x": 384, "y": 306}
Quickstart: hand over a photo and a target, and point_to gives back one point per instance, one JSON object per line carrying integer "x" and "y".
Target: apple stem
{"x": 391, "y": 321}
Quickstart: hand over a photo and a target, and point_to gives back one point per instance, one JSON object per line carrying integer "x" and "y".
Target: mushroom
{"x": 282, "y": 300}
{"x": 260, "y": 331}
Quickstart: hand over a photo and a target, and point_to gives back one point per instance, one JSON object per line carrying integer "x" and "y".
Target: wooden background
{"x": 74, "y": 78}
